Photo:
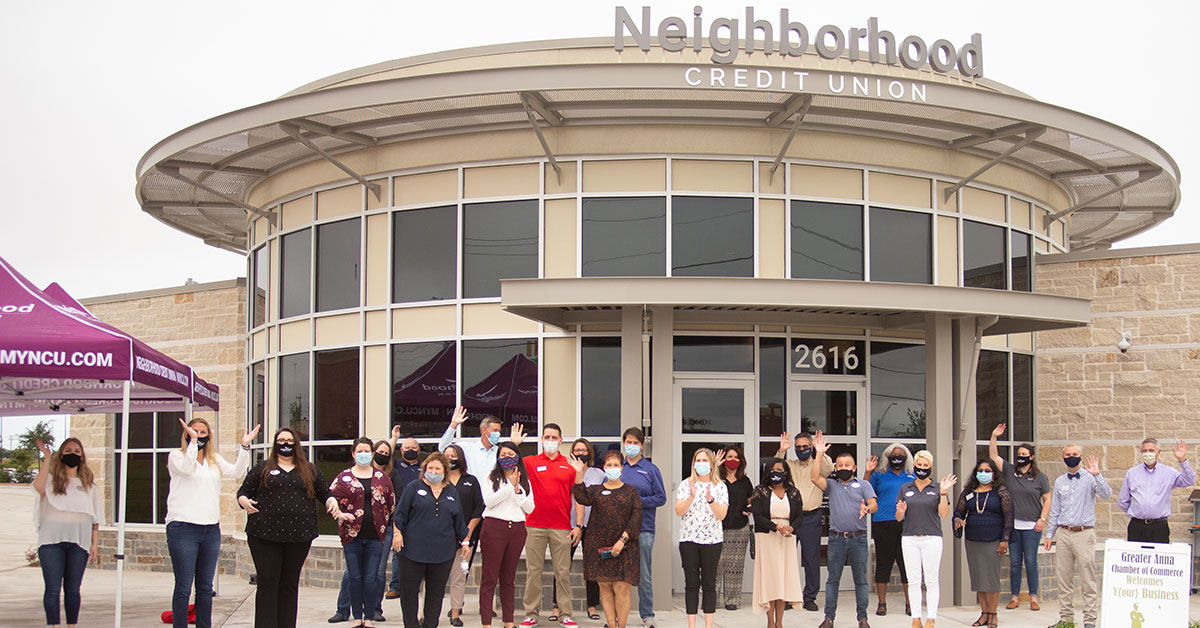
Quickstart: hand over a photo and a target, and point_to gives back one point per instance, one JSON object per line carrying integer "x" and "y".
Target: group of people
{"x": 430, "y": 518}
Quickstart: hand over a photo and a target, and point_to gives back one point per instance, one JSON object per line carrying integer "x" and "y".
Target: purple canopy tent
{"x": 509, "y": 393}
{"x": 56, "y": 358}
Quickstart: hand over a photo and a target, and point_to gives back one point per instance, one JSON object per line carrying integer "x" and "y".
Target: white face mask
{"x": 1149, "y": 457}
{"x": 550, "y": 446}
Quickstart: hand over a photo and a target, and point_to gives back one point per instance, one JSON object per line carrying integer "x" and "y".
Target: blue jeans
{"x": 843, "y": 550}
{"x": 375, "y": 606}
{"x": 646, "y": 583}
{"x": 362, "y": 565}
{"x": 63, "y": 565}
{"x": 194, "y": 550}
{"x": 1024, "y": 548}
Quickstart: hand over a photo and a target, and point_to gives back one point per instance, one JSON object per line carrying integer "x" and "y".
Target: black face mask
{"x": 804, "y": 453}
{"x": 1023, "y": 460}
{"x": 410, "y": 454}
{"x": 201, "y": 442}
{"x": 72, "y": 460}
{"x": 453, "y": 464}
{"x": 844, "y": 474}
{"x": 285, "y": 450}
{"x": 584, "y": 458}
{"x": 775, "y": 477}
{"x": 922, "y": 473}
{"x": 1072, "y": 461}
{"x": 382, "y": 459}
{"x": 897, "y": 462}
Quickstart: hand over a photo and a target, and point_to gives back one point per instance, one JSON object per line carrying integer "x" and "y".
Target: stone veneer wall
{"x": 1091, "y": 394}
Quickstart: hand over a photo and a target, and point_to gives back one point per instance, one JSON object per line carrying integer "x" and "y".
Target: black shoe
{"x": 378, "y": 617}
{"x": 338, "y": 618}
{"x": 457, "y": 622}
{"x": 810, "y": 606}
{"x": 787, "y": 607}
{"x": 731, "y": 607}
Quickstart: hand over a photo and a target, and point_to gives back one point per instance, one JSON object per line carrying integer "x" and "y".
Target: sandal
{"x": 553, "y": 616}
{"x": 594, "y": 616}
{"x": 882, "y": 609}
{"x": 995, "y": 621}
{"x": 982, "y": 621}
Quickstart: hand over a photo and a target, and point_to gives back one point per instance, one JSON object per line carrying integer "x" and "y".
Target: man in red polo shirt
{"x": 550, "y": 479}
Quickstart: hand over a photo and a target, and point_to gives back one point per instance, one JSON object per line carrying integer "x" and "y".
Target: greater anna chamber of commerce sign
{"x": 727, "y": 38}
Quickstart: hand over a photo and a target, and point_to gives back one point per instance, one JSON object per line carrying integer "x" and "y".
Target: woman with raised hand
{"x": 507, "y": 499}
{"x": 280, "y": 496}
{"x": 984, "y": 515}
{"x": 735, "y": 526}
{"x": 701, "y": 502}
{"x": 67, "y": 513}
{"x": 470, "y": 498}
{"x": 920, "y": 507}
{"x": 778, "y": 510}
{"x": 194, "y": 515}
{"x": 366, "y": 499}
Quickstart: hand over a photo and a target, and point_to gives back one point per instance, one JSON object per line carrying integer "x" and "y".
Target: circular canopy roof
{"x": 199, "y": 179}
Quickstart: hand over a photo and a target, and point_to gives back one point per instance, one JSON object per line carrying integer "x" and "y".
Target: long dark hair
{"x": 497, "y": 475}
{"x": 302, "y": 466}
{"x": 997, "y": 477}
{"x": 764, "y": 485}
{"x": 1033, "y": 468}
{"x": 461, "y": 457}
{"x": 387, "y": 468}
{"x": 740, "y": 472}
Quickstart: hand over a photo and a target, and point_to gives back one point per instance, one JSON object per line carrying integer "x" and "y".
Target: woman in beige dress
{"x": 777, "y": 510}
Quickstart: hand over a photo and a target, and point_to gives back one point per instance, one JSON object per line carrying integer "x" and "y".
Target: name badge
{"x": 854, "y": 485}
{"x": 970, "y": 496}
{"x": 346, "y": 479}
{"x": 450, "y": 497}
{"x": 1065, "y": 489}
{"x": 274, "y": 471}
{"x": 542, "y": 468}
{"x": 931, "y": 493}
{"x": 422, "y": 492}
{"x": 909, "y": 494}
{"x": 606, "y": 492}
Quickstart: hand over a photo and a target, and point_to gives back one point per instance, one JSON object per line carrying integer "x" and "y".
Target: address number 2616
{"x": 820, "y": 356}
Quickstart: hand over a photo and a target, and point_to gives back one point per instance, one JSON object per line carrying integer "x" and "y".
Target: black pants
{"x": 887, "y": 550}
{"x": 1156, "y": 531}
{"x": 593, "y": 589}
{"x": 277, "y": 566}
{"x": 435, "y": 576}
{"x": 700, "y": 572}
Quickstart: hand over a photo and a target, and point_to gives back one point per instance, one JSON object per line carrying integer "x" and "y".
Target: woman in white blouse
{"x": 67, "y": 513}
{"x": 506, "y": 501}
{"x": 193, "y": 516}
{"x": 701, "y": 501}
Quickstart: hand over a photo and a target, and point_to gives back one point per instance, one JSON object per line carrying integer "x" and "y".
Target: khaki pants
{"x": 1077, "y": 555}
{"x": 536, "y": 541}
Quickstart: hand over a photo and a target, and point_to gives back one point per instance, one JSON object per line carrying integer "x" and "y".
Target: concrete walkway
{"x": 147, "y": 595}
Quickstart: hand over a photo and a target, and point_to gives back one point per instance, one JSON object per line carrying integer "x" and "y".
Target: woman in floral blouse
{"x": 363, "y": 527}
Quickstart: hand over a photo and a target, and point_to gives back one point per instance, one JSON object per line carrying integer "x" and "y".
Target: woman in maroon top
{"x": 365, "y": 496}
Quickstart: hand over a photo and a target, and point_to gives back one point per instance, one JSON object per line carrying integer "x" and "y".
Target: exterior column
{"x": 662, "y": 379}
{"x": 964, "y": 428}
{"x": 631, "y": 367}
{"x": 939, "y": 422}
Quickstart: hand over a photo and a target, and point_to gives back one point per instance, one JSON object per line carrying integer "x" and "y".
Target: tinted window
{"x": 296, "y": 260}
{"x": 332, "y": 460}
{"x": 424, "y": 254}
{"x": 1022, "y": 397}
{"x": 169, "y": 430}
{"x": 897, "y": 390}
{"x": 713, "y": 410}
{"x": 141, "y": 429}
{"x": 827, "y": 241}
{"x": 624, "y": 237}
{"x": 772, "y": 385}
{"x": 293, "y": 393}
{"x": 338, "y": 248}
{"x": 258, "y": 397}
{"x": 600, "y": 380}
{"x": 139, "y": 505}
{"x": 712, "y": 237}
{"x": 1022, "y": 267}
{"x": 991, "y": 393}
{"x": 983, "y": 256}
{"x": 258, "y": 299}
{"x": 499, "y": 377}
{"x": 901, "y": 248}
{"x": 714, "y": 353}
{"x": 834, "y": 412}
{"x": 424, "y": 392}
{"x": 336, "y": 388}
{"x": 500, "y": 241}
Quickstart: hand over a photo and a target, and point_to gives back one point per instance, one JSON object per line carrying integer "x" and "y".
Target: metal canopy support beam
{"x": 998, "y": 134}
{"x": 1143, "y": 176}
{"x": 196, "y": 165}
{"x": 535, "y": 101}
{"x": 1078, "y": 174}
{"x": 791, "y": 106}
{"x": 294, "y": 132}
{"x": 525, "y": 102}
{"x": 175, "y": 174}
{"x": 802, "y": 111}
{"x": 1030, "y": 136}
{"x": 328, "y": 131}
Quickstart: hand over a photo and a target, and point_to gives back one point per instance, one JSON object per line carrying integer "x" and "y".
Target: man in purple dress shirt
{"x": 1146, "y": 493}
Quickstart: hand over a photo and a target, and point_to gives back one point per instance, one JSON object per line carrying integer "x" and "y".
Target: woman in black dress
{"x": 610, "y": 541}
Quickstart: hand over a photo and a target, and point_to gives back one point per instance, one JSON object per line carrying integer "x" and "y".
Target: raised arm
{"x": 1100, "y": 486}
{"x": 785, "y": 441}
{"x": 994, "y": 450}
{"x": 460, "y": 415}
{"x": 39, "y": 482}
{"x": 1187, "y": 476}
{"x": 819, "y": 449}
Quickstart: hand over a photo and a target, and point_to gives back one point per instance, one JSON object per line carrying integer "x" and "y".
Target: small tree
{"x": 23, "y": 461}
{"x": 41, "y": 432}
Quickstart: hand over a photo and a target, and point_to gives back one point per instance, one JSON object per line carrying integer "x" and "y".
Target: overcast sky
{"x": 88, "y": 87}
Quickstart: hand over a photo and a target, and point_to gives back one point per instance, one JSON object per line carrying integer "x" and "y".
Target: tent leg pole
{"x": 124, "y": 476}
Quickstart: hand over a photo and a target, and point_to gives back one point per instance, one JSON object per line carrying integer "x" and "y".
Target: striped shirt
{"x": 1074, "y": 501}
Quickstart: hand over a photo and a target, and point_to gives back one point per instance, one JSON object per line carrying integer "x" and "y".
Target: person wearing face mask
{"x": 885, "y": 529}
{"x": 1073, "y": 525}
{"x": 430, "y": 532}
{"x": 610, "y": 544}
{"x": 810, "y": 534}
{"x": 68, "y": 510}
{"x": 642, "y": 475}
{"x": 701, "y": 502}
{"x": 1030, "y": 490}
{"x": 583, "y": 451}
{"x": 480, "y": 451}
{"x": 549, "y": 525}
{"x": 778, "y": 511}
{"x": 735, "y": 527}
{"x": 408, "y": 470}
{"x": 365, "y": 496}
{"x": 850, "y": 501}
{"x": 984, "y": 515}
{"x": 471, "y": 501}
{"x": 920, "y": 508}
{"x": 1146, "y": 493}
{"x": 194, "y": 516}
{"x": 507, "y": 501}
{"x": 280, "y": 496}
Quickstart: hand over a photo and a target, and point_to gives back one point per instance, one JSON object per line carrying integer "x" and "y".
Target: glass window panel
{"x": 258, "y": 399}
{"x": 339, "y": 245}
{"x": 897, "y": 390}
{"x": 713, "y": 410}
{"x": 330, "y": 461}
{"x": 981, "y": 452}
{"x": 827, "y": 240}
{"x": 139, "y": 506}
{"x": 500, "y": 241}
{"x": 983, "y": 256}
{"x": 913, "y": 447}
{"x": 141, "y": 430}
{"x": 424, "y": 393}
{"x": 624, "y": 237}
{"x": 901, "y": 246}
{"x": 262, "y": 273}
{"x": 499, "y": 377}
{"x": 712, "y": 237}
{"x": 828, "y": 357}
{"x": 834, "y": 412}
{"x": 772, "y": 386}
{"x": 163, "y": 486}
{"x": 296, "y": 260}
{"x": 600, "y": 384}
{"x": 169, "y": 429}
{"x": 293, "y": 393}
{"x": 991, "y": 394}
{"x": 424, "y": 254}
{"x": 1022, "y": 263}
{"x": 336, "y": 388}
{"x": 1022, "y": 397}
{"x": 689, "y": 450}
{"x": 714, "y": 353}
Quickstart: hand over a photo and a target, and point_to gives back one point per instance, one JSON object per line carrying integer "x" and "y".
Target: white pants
{"x": 922, "y": 560}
